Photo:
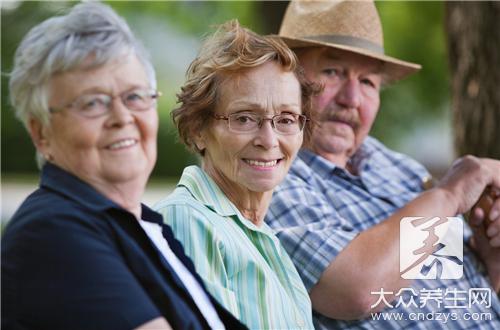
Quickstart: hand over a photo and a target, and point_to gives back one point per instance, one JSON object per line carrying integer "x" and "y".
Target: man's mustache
{"x": 349, "y": 117}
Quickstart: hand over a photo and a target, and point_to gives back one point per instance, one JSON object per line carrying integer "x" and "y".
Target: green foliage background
{"x": 413, "y": 31}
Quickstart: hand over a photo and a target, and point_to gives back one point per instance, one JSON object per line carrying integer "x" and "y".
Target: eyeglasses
{"x": 96, "y": 105}
{"x": 249, "y": 122}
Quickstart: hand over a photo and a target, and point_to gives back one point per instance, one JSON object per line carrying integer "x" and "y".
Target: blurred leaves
{"x": 194, "y": 17}
{"x": 18, "y": 153}
{"x": 413, "y": 31}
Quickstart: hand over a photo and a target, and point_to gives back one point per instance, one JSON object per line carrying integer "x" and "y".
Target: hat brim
{"x": 393, "y": 68}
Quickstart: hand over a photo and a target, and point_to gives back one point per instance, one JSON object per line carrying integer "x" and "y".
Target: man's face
{"x": 348, "y": 104}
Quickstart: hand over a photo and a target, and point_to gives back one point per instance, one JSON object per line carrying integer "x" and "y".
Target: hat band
{"x": 348, "y": 41}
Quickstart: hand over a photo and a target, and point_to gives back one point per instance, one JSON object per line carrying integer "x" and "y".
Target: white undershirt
{"x": 194, "y": 288}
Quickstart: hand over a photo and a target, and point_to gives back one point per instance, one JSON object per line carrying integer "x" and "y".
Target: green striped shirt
{"x": 243, "y": 266}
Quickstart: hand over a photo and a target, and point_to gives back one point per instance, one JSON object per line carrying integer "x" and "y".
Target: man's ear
{"x": 39, "y": 136}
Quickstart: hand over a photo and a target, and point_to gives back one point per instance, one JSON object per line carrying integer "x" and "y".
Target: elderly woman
{"x": 243, "y": 109}
{"x": 82, "y": 252}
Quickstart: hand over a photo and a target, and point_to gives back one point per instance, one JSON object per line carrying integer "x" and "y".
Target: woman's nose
{"x": 266, "y": 135}
{"x": 119, "y": 114}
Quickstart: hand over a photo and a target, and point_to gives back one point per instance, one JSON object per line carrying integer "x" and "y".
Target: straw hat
{"x": 353, "y": 26}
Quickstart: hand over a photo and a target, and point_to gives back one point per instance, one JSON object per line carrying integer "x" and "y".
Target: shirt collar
{"x": 324, "y": 167}
{"x": 363, "y": 155}
{"x": 67, "y": 184}
{"x": 372, "y": 154}
{"x": 316, "y": 163}
{"x": 205, "y": 190}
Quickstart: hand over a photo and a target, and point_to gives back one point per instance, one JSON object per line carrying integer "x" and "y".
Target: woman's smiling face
{"x": 111, "y": 149}
{"x": 256, "y": 161}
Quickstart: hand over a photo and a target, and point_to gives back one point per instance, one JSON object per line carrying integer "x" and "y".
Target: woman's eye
{"x": 286, "y": 121}
{"x": 135, "y": 96}
{"x": 244, "y": 119}
{"x": 92, "y": 104}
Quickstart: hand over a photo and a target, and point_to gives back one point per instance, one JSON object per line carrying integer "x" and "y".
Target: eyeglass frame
{"x": 261, "y": 121}
{"x": 154, "y": 94}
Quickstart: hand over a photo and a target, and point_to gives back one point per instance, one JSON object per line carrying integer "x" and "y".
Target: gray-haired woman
{"x": 82, "y": 252}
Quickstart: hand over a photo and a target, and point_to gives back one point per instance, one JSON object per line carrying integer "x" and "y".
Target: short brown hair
{"x": 230, "y": 50}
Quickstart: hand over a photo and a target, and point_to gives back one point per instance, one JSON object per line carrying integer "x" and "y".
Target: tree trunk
{"x": 474, "y": 51}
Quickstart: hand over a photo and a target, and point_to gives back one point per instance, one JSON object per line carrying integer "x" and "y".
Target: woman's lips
{"x": 121, "y": 144}
{"x": 264, "y": 164}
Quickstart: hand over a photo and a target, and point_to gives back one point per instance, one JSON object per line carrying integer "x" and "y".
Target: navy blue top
{"x": 73, "y": 259}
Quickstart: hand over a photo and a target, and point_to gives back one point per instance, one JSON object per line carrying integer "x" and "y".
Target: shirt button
{"x": 427, "y": 182}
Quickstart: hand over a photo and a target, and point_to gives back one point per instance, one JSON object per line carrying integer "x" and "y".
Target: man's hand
{"x": 485, "y": 224}
{"x": 466, "y": 180}
{"x": 486, "y": 213}
{"x": 488, "y": 254}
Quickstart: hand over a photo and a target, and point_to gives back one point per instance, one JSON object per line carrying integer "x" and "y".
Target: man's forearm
{"x": 371, "y": 261}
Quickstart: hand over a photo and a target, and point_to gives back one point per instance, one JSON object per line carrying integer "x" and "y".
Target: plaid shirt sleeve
{"x": 312, "y": 244}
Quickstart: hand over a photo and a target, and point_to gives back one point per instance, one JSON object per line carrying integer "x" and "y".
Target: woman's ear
{"x": 39, "y": 137}
{"x": 199, "y": 141}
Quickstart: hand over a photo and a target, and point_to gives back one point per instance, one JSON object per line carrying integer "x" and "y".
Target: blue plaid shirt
{"x": 320, "y": 208}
